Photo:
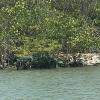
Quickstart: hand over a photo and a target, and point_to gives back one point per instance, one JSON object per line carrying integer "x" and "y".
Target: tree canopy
{"x": 49, "y": 25}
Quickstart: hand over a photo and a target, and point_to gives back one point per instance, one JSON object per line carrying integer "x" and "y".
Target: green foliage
{"x": 23, "y": 62}
{"x": 48, "y": 25}
{"x": 43, "y": 60}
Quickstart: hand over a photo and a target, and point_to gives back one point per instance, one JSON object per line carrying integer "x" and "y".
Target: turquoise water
{"x": 53, "y": 84}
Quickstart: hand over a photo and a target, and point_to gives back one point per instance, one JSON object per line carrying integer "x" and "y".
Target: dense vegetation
{"x": 49, "y": 25}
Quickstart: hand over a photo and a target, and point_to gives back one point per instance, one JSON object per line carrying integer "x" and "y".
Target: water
{"x": 54, "y": 84}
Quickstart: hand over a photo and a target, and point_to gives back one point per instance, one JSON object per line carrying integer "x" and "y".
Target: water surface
{"x": 54, "y": 84}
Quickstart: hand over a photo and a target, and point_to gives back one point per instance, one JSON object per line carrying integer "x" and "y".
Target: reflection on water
{"x": 53, "y": 84}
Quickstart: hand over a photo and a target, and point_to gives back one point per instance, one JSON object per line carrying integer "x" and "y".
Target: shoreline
{"x": 87, "y": 59}
{"x": 15, "y": 69}
{"x": 82, "y": 60}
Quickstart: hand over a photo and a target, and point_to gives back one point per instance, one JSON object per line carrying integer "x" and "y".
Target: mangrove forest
{"x": 48, "y": 33}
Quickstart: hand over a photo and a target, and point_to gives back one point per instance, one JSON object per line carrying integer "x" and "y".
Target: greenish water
{"x": 54, "y": 84}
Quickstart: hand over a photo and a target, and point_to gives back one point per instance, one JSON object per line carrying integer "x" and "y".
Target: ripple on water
{"x": 56, "y": 84}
